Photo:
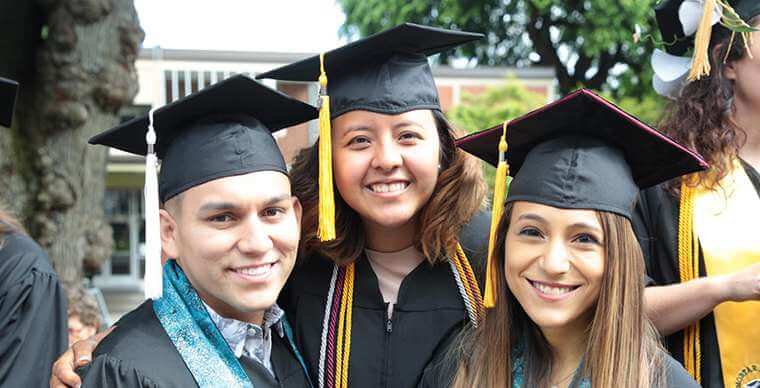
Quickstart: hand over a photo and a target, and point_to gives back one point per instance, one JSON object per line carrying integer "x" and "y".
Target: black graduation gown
{"x": 656, "y": 224}
{"x": 139, "y": 353}
{"x": 33, "y": 314}
{"x": 441, "y": 371}
{"x": 386, "y": 353}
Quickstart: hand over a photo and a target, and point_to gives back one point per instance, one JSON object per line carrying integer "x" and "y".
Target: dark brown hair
{"x": 458, "y": 194}
{"x": 701, "y": 117}
{"x": 622, "y": 349}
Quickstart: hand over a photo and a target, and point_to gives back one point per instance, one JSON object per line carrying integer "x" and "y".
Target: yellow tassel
{"x": 688, "y": 268}
{"x": 326, "y": 230}
{"x": 497, "y": 208}
{"x": 700, "y": 66}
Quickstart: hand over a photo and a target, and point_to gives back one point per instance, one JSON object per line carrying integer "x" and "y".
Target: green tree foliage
{"x": 589, "y": 43}
{"x": 648, "y": 108}
{"x": 512, "y": 99}
{"x": 492, "y": 107}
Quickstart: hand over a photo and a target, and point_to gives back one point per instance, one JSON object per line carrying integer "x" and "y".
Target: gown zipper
{"x": 388, "y": 331}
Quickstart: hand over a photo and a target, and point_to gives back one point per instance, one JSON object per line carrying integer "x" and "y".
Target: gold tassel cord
{"x": 326, "y": 229}
{"x": 475, "y": 296}
{"x": 695, "y": 335}
{"x": 700, "y": 66}
{"x": 497, "y": 208}
{"x": 688, "y": 268}
{"x": 345, "y": 313}
{"x": 343, "y": 348}
{"x": 470, "y": 284}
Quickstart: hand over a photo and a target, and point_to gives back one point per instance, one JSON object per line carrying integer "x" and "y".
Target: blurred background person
{"x": 84, "y": 314}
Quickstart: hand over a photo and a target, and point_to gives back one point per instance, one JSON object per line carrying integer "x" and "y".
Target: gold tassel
{"x": 688, "y": 268}
{"x": 500, "y": 188}
{"x": 326, "y": 230}
{"x": 700, "y": 66}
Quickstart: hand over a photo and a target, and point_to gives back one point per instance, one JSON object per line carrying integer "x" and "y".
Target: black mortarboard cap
{"x": 671, "y": 29}
{"x": 384, "y": 73}
{"x": 583, "y": 152}
{"x": 8, "y": 91}
{"x": 223, "y": 130}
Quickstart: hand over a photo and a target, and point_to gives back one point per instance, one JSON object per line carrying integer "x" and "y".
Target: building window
{"x": 124, "y": 211}
{"x": 180, "y": 83}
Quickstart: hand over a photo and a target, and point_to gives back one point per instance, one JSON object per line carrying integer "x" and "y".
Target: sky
{"x": 243, "y": 25}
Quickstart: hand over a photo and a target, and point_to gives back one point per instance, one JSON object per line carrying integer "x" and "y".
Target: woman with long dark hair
{"x": 699, "y": 232}
{"x": 567, "y": 269}
{"x": 371, "y": 306}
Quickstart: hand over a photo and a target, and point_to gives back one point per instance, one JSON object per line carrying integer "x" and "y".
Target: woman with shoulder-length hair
{"x": 567, "y": 270}
{"x": 371, "y": 303}
{"x": 698, "y": 232}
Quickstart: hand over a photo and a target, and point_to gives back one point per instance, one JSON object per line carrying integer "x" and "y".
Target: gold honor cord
{"x": 343, "y": 350}
{"x": 344, "y": 305}
{"x": 688, "y": 268}
{"x": 468, "y": 286}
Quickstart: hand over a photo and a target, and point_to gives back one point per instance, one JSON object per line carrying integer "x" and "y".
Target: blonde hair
{"x": 8, "y": 224}
{"x": 83, "y": 306}
{"x": 458, "y": 194}
{"x": 623, "y": 348}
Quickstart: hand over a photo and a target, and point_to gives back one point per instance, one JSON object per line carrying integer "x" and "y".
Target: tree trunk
{"x": 83, "y": 74}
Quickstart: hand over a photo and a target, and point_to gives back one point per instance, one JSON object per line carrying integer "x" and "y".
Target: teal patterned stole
{"x": 518, "y": 373}
{"x": 197, "y": 339}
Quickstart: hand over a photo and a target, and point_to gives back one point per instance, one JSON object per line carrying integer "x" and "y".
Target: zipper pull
{"x": 388, "y": 326}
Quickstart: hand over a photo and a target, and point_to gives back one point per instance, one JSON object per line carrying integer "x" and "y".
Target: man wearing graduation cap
{"x": 32, "y": 302}
{"x": 229, "y": 225}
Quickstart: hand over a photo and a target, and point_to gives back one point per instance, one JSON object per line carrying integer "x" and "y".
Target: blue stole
{"x": 518, "y": 373}
{"x": 197, "y": 339}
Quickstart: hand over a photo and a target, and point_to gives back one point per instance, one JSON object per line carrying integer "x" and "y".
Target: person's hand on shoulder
{"x": 79, "y": 354}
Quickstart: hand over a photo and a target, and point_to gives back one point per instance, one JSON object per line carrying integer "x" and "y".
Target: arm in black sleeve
{"x": 643, "y": 228}
{"x": 33, "y": 317}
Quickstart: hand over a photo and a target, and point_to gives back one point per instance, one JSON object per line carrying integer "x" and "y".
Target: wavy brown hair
{"x": 458, "y": 194}
{"x": 622, "y": 350}
{"x": 701, "y": 116}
